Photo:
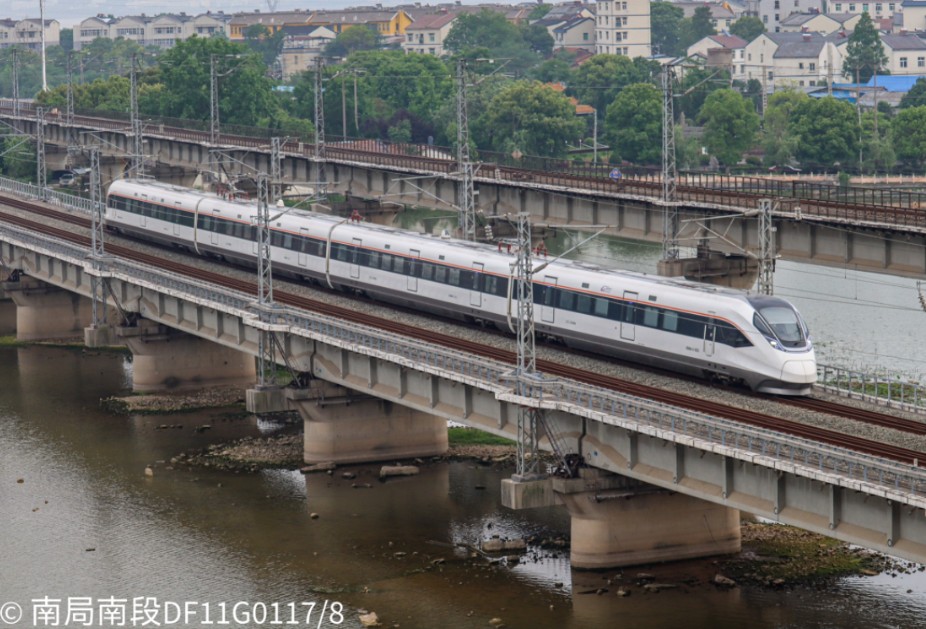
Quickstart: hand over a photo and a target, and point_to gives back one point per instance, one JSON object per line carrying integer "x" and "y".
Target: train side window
{"x": 287, "y": 241}
{"x": 583, "y": 304}
{"x": 691, "y": 325}
{"x": 670, "y": 320}
{"x": 615, "y": 311}
{"x": 427, "y": 271}
{"x": 549, "y": 296}
{"x": 375, "y": 259}
{"x": 477, "y": 280}
{"x": 398, "y": 265}
{"x": 630, "y": 310}
{"x": 453, "y": 277}
{"x": 650, "y": 316}
{"x": 729, "y": 335}
{"x": 440, "y": 274}
{"x": 502, "y": 286}
{"x": 600, "y": 307}
{"x": 567, "y": 300}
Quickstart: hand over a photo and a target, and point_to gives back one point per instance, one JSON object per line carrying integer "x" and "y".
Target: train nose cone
{"x": 804, "y": 371}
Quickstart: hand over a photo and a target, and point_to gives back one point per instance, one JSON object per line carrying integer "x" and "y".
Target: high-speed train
{"x": 692, "y": 328}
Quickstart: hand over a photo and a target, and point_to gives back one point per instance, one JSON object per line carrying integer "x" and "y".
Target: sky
{"x": 69, "y": 13}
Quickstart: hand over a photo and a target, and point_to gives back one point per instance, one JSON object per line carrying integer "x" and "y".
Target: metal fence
{"x": 894, "y": 391}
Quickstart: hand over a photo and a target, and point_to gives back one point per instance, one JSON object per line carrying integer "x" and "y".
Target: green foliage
{"x": 864, "y": 53}
{"x": 599, "y": 80}
{"x": 916, "y": 97}
{"x": 827, "y": 130}
{"x": 730, "y": 125}
{"x": 268, "y": 45}
{"x": 352, "y": 40}
{"x": 747, "y": 27}
{"x": 557, "y": 69}
{"x": 778, "y": 141}
{"x": 633, "y": 126}
{"x": 488, "y": 34}
{"x": 17, "y": 158}
{"x": 908, "y": 131}
{"x": 538, "y": 38}
{"x": 244, "y": 90}
{"x": 696, "y": 86}
{"x": 539, "y": 12}
{"x": 696, "y": 28}
{"x": 66, "y": 39}
{"x": 401, "y": 132}
{"x": 529, "y": 117}
{"x": 666, "y": 20}
{"x": 461, "y": 435}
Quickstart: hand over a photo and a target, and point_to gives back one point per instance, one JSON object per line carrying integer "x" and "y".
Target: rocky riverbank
{"x": 164, "y": 403}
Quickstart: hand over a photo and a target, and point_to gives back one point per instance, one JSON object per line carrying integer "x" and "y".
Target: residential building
{"x": 730, "y": 48}
{"x": 273, "y": 22}
{"x": 914, "y": 15}
{"x": 810, "y": 23}
{"x": 163, "y": 30}
{"x": 772, "y": 12}
{"x": 386, "y": 22}
{"x": 578, "y": 32}
{"x": 27, "y": 33}
{"x": 877, "y": 10}
{"x": 722, "y": 15}
{"x": 792, "y": 60}
{"x": 302, "y": 45}
{"x": 623, "y": 28}
{"x": 906, "y": 53}
{"x": 426, "y": 34}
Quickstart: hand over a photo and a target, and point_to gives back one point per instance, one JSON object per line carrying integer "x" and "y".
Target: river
{"x": 86, "y": 521}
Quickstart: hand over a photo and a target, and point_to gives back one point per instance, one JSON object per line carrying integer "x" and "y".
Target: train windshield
{"x": 777, "y": 320}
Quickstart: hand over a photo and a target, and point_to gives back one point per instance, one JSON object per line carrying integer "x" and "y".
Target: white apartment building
{"x": 163, "y": 30}
{"x": 792, "y": 60}
{"x": 27, "y": 33}
{"x": 773, "y": 12}
{"x": 623, "y": 28}
{"x": 427, "y": 33}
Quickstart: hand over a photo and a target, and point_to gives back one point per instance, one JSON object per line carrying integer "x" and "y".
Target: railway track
{"x": 769, "y": 422}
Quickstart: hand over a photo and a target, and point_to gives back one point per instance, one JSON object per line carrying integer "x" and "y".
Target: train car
{"x": 692, "y": 328}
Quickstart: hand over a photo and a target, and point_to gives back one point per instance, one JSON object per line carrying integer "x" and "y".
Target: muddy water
{"x": 87, "y": 522}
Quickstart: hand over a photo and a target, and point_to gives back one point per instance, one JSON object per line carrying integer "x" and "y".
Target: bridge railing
{"x": 56, "y": 197}
{"x": 893, "y": 391}
{"x": 612, "y": 407}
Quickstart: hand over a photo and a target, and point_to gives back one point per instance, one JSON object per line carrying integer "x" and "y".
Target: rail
{"x": 797, "y": 198}
{"x": 892, "y": 391}
{"x": 803, "y": 456}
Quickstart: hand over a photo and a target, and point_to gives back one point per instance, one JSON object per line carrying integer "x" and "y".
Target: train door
{"x": 255, "y": 245}
{"x": 302, "y": 256}
{"x": 216, "y": 221}
{"x": 414, "y": 265}
{"x": 475, "y": 295}
{"x": 710, "y": 335}
{"x": 628, "y": 327}
{"x": 355, "y": 258}
{"x": 548, "y": 306}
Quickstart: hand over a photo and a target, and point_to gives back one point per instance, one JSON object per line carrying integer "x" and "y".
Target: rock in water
{"x": 398, "y": 470}
{"x": 369, "y": 620}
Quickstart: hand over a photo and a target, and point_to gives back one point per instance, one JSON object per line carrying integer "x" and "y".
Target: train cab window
{"x": 729, "y": 335}
{"x": 670, "y": 321}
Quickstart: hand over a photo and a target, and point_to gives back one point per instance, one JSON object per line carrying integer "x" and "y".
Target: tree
{"x": 539, "y": 12}
{"x": 864, "y": 52}
{"x": 17, "y": 158}
{"x": 66, "y": 39}
{"x": 351, "y": 40}
{"x": 908, "y": 134}
{"x": 827, "y": 129}
{"x": 489, "y": 34}
{"x": 665, "y": 24}
{"x": 599, "y": 80}
{"x": 778, "y": 140}
{"x": 268, "y": 45}
{"x": 530, "y": 117}
{"x": 730, "y": 124}
{"x": 747, "y": 27}
{"x": 916, "y": 97}
{"x": 696, "y": 28}
{"x": 633, "y": 124}
{"x": 538, "y": 38}
{"x": 245, "y": 95}
{"x": 695, "y": 86}
{"x": 557, "y": 69}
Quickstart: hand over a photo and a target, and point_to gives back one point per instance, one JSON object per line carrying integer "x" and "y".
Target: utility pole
{"x": 322, "y": 186}
{"x": 213, "y": 102}
{"x": 41, "y": 176}
{"x": 530, "y": 419}
{"x": 276, "y": 170}
{"x": 98, "y": 284}
{"x": 15, "y": 81}
{"x": 267, "y": 354}
{"x": 138, "y": 150}
{"x": 465, "y": 193}
{"x": 344, "y": 109}
{"x": 669, "y": 168}
{"x": 69, "y": 107}
{"x": 42, "y": 26}
{"x": 766, "y": 284}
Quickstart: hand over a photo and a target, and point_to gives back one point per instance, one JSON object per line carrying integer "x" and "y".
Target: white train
{"x": 684, "y": 326}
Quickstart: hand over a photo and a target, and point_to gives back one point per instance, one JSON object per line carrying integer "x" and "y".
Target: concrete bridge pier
{"x": 347, "y": 427}
{"x": 44, "y": 311}
{"x": 166, "y": 359}
{"x": 618, "y": 521}
{"x": 7, "y": 315}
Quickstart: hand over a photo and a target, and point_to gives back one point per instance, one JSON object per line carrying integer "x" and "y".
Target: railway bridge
{"x": 862, "y": 228}
{"x": 662, "y": 482}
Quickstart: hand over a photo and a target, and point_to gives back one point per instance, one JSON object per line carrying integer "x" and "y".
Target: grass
{"x": 460, "y": 436}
